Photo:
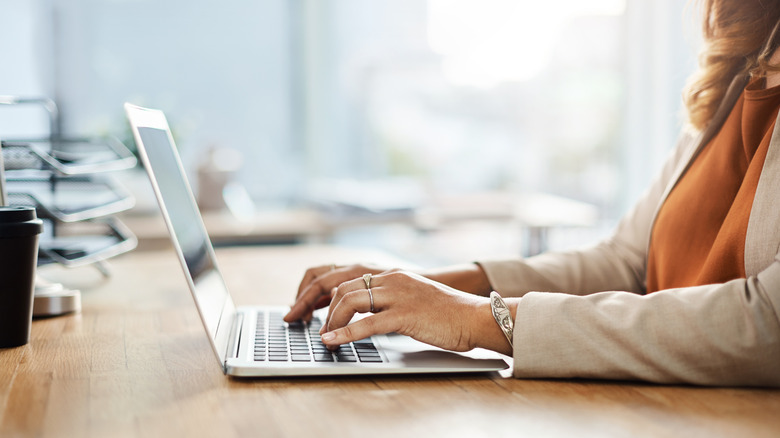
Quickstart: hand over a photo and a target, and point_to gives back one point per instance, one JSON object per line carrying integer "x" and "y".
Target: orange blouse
{"x": 699, "y": 235}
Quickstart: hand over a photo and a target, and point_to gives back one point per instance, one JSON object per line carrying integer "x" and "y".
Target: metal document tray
{"x": 67, "y": 199}
{"x": 68, "y": 156}
{"x": 84, "y": 243}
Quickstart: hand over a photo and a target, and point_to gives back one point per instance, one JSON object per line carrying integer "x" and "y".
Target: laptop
{"x": 253, "y": 341}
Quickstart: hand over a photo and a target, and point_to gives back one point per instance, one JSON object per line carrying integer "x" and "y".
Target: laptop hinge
{"x": 235, "y": 337}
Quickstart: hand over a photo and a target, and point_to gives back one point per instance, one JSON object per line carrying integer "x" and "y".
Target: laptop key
{"x": 300, "y": 342}
{"x": 363, "y": 341}
{"x": 323, "y": 357}
{"x": 301, "y": 358}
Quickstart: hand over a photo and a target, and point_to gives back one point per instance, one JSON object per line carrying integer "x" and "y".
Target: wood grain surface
{"x": 136, "y": 363}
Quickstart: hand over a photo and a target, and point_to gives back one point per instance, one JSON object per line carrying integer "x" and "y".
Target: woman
{"x": 687, "y": 289}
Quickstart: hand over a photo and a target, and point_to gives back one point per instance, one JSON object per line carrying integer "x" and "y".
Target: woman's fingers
{"x": 322, "y": 302}
{"x": 405, "y": 303}
{"x": 305, "y": 302}
{"x": 359, "y": 296}
{"x": 341, "y": 291}
{"x": 311, "y": 275}
{"x": 316, "y": 288}
{"x": 356, "y": 301}
{"x": 372, "y": 325}
{"x": 318, "y": 284}
{"x": 310, "y": 293}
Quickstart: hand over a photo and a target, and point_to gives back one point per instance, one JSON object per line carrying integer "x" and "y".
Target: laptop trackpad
{"x": 407, "y": 350}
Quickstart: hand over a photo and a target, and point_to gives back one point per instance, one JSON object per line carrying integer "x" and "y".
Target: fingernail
{"x": 327, "y": 337}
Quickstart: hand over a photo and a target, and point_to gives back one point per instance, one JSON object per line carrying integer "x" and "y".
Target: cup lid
{"x": 19, "y": 222}
{"x": 16, "y": 214}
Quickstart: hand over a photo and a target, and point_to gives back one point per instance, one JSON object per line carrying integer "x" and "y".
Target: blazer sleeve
{"x": 723, "y": 334}
{"x": 583, "y": 313}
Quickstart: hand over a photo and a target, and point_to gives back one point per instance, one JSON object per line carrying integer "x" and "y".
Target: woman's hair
{"x": 740, "y": 37}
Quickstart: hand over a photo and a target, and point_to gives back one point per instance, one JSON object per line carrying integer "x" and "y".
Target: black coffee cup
{"x": 19, "y": 230}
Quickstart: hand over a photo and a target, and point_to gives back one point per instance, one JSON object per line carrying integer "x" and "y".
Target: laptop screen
{"x": 159, "y": 155}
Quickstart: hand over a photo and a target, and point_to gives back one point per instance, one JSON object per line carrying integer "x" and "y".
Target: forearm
{"x": 725, "y": 334}
{"x": 466, "y": 277}
{"x": 487, "y": 333}
{"x": 606, "y": 266}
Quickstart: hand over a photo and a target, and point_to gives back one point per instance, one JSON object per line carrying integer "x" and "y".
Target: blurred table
{"x": 534, "y": 213}
{"x": 136, "y": 363}
{"x": 272, "y": 227}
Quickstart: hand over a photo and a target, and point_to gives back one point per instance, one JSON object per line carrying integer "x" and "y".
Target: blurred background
{"x": 439, "y": 130}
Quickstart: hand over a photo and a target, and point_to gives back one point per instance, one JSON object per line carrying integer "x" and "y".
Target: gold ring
{"x": 367, "y": 280}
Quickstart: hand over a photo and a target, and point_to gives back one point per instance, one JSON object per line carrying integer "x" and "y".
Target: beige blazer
{"x": 569, "y": 323}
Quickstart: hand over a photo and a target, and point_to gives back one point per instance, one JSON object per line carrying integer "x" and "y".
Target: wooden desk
{"x": 136, "y": 363}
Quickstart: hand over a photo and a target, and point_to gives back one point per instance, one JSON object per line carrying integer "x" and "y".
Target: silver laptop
{"x": 254, "y": 341}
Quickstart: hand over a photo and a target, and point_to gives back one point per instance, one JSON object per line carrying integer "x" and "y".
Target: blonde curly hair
{"x": 740, "y": 37}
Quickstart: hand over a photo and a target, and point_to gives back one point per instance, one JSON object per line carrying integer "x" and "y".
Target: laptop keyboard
{"x": 277, "y": 341}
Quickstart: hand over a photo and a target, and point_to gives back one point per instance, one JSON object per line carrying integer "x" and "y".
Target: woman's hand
{"x": 319, "y": 284}
{"x": 413, "y": 305}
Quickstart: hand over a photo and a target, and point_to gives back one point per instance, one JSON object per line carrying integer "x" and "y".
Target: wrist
{"x": 487, "y": 333}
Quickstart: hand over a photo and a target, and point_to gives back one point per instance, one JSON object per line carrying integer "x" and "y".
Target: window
{"x": 575, "y": 98}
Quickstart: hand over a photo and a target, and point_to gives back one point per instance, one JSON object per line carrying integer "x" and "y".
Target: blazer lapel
{"x": 762, "y": 243}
